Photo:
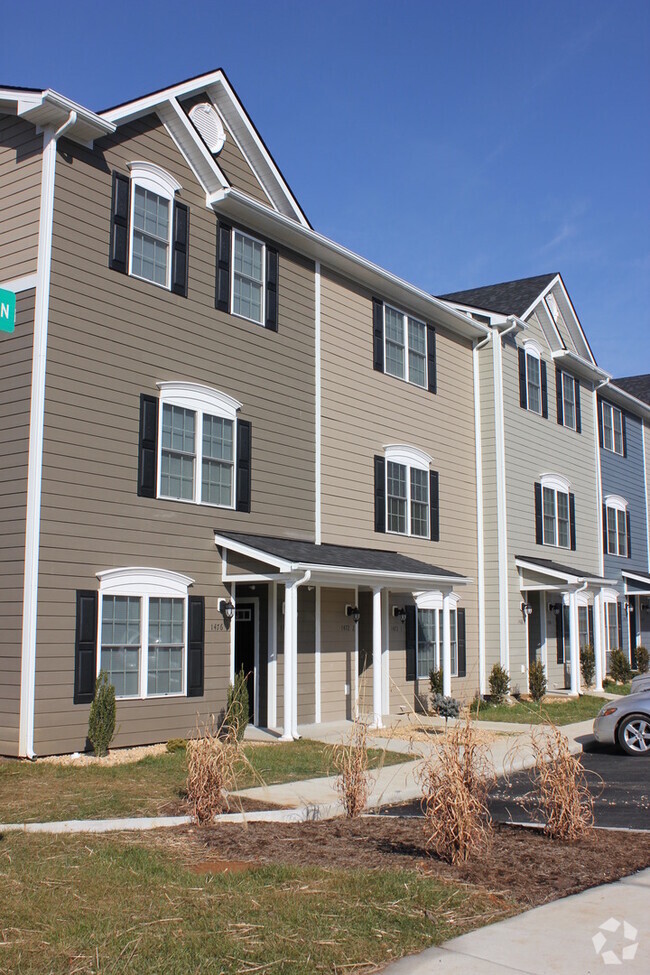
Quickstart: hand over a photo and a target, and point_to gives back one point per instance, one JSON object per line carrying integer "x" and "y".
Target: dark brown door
{"x": 245, "y": 649}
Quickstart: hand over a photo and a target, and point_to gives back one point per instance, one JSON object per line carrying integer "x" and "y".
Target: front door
{"x": 632, "y": 621}
{"x": 245, "y": 650}
{"x": 535, "y": 628}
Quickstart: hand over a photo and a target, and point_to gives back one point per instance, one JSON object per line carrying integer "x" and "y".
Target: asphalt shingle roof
{"x": 569, "y": 570}
{"x": 508, "y": 298}
{"x": 638, "y": 386}
{"x": 337, "y": 556}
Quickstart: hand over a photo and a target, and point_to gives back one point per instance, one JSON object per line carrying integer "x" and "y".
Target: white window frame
{"x": 201, "y": 400}
{"x": 613, "y": 410}
{"x": 533, "y": 351}
{"x": 558, "y": 485}
{"x": 564, "y": 376}
{"x": 617, "y": 506}
{"x": 406, "y": 318}
{"x": 256, "y": 240}
{"x": 437, "y": 628}
{"x": 144, "y": 584}
{"x": 409, "y": 457}
{"x": 610, "y": 605}
{"x": 433, "y": 600}
{"x": 155, "y": 179}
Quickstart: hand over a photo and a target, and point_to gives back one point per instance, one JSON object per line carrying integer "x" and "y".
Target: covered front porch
{"x": 327, "y": 632}
{"x": 564, "y": 609}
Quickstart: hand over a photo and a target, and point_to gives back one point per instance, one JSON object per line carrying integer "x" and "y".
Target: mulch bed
{"x": 521, "y": 863}
{"x": 234, "y": 804}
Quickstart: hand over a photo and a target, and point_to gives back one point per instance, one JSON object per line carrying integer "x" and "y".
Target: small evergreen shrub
{"x": 619, "y": 667}
{"x": 237, "y": 707}
{"x": 587, "y": 664}
{"x": 537, "y": 680}
{"x": 435, "y": 680}
{"x": 101, "y": 723}
{"x": 445, "y": 707}
{"x": 176, "y": 745}
{"x": 499, "y": 684}
{"x": 642, "y": 660}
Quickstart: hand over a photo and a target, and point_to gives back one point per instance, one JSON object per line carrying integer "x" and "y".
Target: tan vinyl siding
{"x": 112, "y": 337}
{"x": 364, "y": 410}
{"x": 306, "y": 675}
{"x": 337, "y": 654}
{"x": 20, "y": 196}
{"x": 244, "y": 565}
{"x": 15, "y": 397}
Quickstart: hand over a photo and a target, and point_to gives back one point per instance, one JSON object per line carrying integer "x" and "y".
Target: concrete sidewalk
{"x": 577, "y": 935}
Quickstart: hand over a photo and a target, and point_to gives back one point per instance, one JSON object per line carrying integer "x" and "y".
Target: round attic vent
{"x": 208, "y": 123}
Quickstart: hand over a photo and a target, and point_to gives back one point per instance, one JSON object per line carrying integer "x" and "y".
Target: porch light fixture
{"x": 555, "y": 608}
{"x": 400, "y": 611}
{"x": 226, "y": 608}
{"x": 526, "y": 610}
{"x": 353, "y": 611}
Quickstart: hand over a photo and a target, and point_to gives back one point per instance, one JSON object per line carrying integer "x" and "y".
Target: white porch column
{"x": 597, "y": 637}
{"x": 446, "y": 646}
{"x": 272, "y": 675}
{"x": 385, "y": 647}
{"x": 290, "y": 641}
{"x": 317, "y": 661}
{"x": 574, "y": 643}
{"x": 376, "y": 656}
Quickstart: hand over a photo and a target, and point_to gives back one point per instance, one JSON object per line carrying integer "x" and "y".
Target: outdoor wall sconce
{"x": 400, "y": 611}
{"x": 353, "y": 611}
{"x": 526, "y": 610}
{"x": 226, "y": 608}
{"x": 555, "y": 608}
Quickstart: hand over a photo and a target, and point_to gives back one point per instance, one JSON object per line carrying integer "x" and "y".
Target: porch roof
{"x": 636, "y": 583}
{"x": 358, "y": 564}
{"x": 568, "y": 574}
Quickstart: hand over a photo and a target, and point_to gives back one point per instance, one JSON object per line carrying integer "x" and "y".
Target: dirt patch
{"x": 235, "y": 804}
{"x": 521, "y": 863}
{"x": 116, "y": 756}
{"x": 222, "y": 866}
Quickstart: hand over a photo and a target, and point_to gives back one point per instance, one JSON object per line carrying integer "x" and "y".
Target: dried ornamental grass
{"x": 213, "y": 757}
{"x": 561, "y": 786}
{"x": 351, "y": 764}
{"x": 455, "y": 781}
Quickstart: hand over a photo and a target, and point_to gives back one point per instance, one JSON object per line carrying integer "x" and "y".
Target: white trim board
{"x": 17, "y": 285}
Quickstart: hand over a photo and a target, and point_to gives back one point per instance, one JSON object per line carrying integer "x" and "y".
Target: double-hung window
{"x": 143, "y": 631}
{"x": 406, "y": 347}
{"x": 248, "y": 277}
{"x": 152, "y": 205}
{"x": 429, "y": 640}
{"x": 611, "y": 625}
{"x": 568, "y": 400}
{"x": 407, "y": 491}
{"x": 583, "y": 626}
{"x": 612, "y": 428}
{"x": 533, "y": 381}
{"x": 616, "y": 528}
{"x": 197, "y": 444}
{"x": 557, "y": 529}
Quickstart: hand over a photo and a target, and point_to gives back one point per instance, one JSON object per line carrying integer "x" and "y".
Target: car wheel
{"x": 634, "y": 734}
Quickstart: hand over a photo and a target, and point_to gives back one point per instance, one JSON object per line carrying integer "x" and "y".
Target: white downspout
{"x": 36, "y": 429}
{"x": 294, "y": 652}
{"x": 480, "y": 552}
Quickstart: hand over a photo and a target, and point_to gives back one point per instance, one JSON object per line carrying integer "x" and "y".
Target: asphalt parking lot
{"x": 619, "y": 783}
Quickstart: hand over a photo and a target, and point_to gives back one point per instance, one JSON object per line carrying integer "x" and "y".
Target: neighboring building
{"x": 542, "y": 569}
{"x": 623, "y": 434}
{"x": 196, "y": 426}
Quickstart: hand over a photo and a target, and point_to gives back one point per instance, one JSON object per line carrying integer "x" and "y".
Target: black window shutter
{"x": 539, "y": 523}
{"x": 619, "y": 615}
{"x": 195, "y": 645}
{"x": 559, "y": 631}
{"x": 578, "y": 411}
{"x": 629, "y": 534}
{"x": 378, "y": 334}
{"x": 605, "y": 529}
{"x": 244, "y": 432}
{"x": 544, "y": 389}
{"x": 380, "y": 493}
{"x": 148, "y": 450}
{"x": 120, "y": 210}
{"x": 462, "y": 646}
{"x": 222, "y": 293}
{"x": 85, "y": 647}
{"x": 271, "y": 290}
{"x": 590, "y": 623}
{"x": 523, "y": 390}
{"x": 181, "y": 228}
{"x": 601, "y": 438}
{"x": 431, "y": 359}
{"x": 434, "y": 505}
{"x": 411, "y": 642}
{"x": 572, "y": 520}
{"x": 624, "y": 434}
{"x": 559, "y": 397}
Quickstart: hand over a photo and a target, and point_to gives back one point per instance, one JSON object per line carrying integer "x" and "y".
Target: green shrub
{"x": 587, "y": 664}
{"x": 642, "y": 660}
{"x": 101, "y": 723}
{"x": 435, "y": 680}
{"x": 499, "y": 684}
{"x": 619, "y": 667}
{"x": 537, "y": 680}
{"x": 237, "y": 708}
{"x": 445, "y": 707}
{"x": 176, "y": 745}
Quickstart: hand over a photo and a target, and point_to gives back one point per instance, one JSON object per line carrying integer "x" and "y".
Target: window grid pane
{"x": 166, "y": 645}
{"x": 549, "y": 516}
{"x": 427, "y": 630}
{"x": 563, "y": 519}
{"x": 217, "y": 473}
{"x": 608, "y": 432}
{"x": 396, "y": 491}
{"x": 583, "y": 626}
{"x": 454, "y": 643}
{"x": 248, "y": 278}
{"x": 394, "y": 327}
{"x": 177, "y": 456}
{"x": 568, "y": 386}
{"x": 534, "y": 389}
{"x": 611, "y": 531}
{"x": 618, "y": 430}
{"x": 120, "y": 643}
{"x": 150, "y": 236}
{"x": 622, "y": 532}
{"x": 419, "y": 502}
{"x": 417, "y": 353}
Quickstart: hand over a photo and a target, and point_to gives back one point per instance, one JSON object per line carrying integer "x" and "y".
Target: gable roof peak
{"x": 507, "y": 297}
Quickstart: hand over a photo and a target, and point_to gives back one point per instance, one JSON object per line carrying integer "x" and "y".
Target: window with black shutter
{"x": 411, "y": 642}
{"x": 196, "y": 646}
{"x": 85, "y": 648}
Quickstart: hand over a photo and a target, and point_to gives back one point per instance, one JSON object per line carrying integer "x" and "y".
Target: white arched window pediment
{"x": 532, "y": 347}
{"x": 432, "y": 599}
{"x": 408, "y": 491}
{"x": 136, "y": 580}
{"x": 616, "y": 501}
{"x": 556, "y": 482}
{"x": 410, "y": 456}
{"x": 196, "y": 396}
{"x": 154, "y": 178}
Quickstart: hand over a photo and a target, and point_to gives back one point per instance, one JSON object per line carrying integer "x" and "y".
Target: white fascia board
{"x": 49, "y": 108}
{"x": 26, "y": 283}
{"x": 149, "y": 103}
{"x": 569, "y": 578}
{"x": 636, "y": 578}
{"x": 580, "y": 366}
{"x": 238, "y": 206}
{"x": 254, "y": 553}
{"x": 359, "y": 576}
{"x": 617, "y": 395}
{"x": 541, "y": 296}
{"x": 496, "y": 318}
{"x": 577, "y": 320}
{"x": 199, "y": 158}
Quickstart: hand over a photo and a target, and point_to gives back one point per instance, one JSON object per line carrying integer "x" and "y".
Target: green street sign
{"x": 7, "y": 310}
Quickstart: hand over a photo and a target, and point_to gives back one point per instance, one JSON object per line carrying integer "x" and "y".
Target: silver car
{"x": 626, "y": 722}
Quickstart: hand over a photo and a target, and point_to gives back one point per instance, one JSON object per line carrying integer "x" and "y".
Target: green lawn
{"x": 611, "y": 688}
{"x": 559, "y": 711}
{"x": 98, "y": 904}
{"x": 40, "y": 792}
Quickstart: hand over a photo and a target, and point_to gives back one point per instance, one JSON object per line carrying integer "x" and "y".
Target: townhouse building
{"x": 226, "y": 440}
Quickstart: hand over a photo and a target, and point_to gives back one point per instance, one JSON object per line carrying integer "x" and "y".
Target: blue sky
{"x": 457, "y": 144}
